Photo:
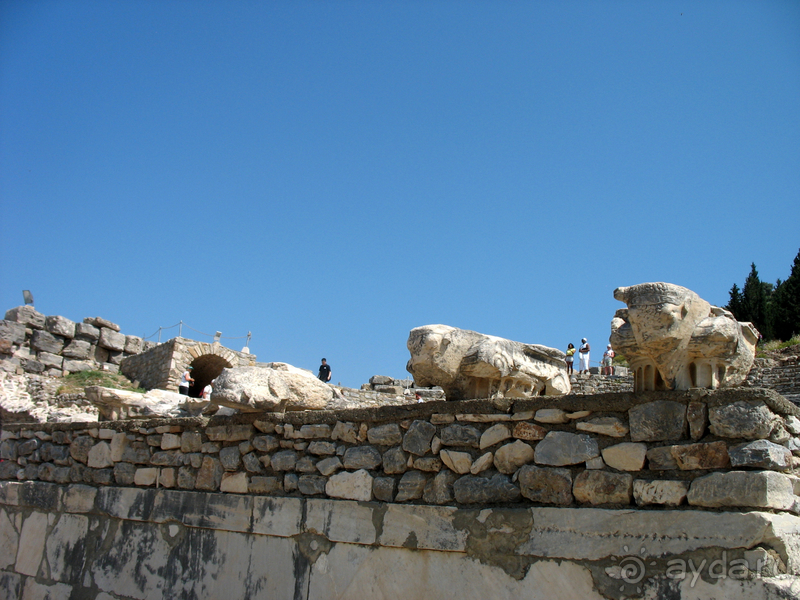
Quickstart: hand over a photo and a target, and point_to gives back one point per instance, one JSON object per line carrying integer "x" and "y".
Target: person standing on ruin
{"x": 208, "y": 389}
{"x": 186, "y": 381}
{"x": 583, "y": 351}
{"x": 570, "y": 358}
{"x": 608, "y": 361}
{"x": 324, "y": 371}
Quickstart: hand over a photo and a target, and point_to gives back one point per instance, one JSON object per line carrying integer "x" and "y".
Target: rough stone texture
{"x": 43, "y": 341}
{"x": 628, "y": 456}
{"x": 417, "y": 439}
{"x": 670, "y": 493}
{"x": 458, "y": 462}
{"x": 78, "y": 349}
{"x": 551, "y": 416}
{"x": 26, "y": 315}
{"x": 742, "y": 419}
{"x": 385, "y": 435}
{"x": 661, "y": 420}
{"x": 111, "y": 340}
{"x": 362, "y": 457}
{"x": 395, "y": 461}
{"x": 697, "y": 416}
{"x": 276, "y": 387}
{"x": 411, "y": 486}
{"x": 546, "y": 485}
{"x": 439, "y": 490}
{"x": 461, "y": 435}
{"x": 673, "y": 339}
{"x": 509, "y": 457}
{"x": 114, "y": 404}
{"x": 701, "y": 456}
{"x": 528, "y": 432}
{"x": 494, "y": 435}
{"x": 602, "y": 487}
{"x": 761, "y": 454}
{"x": 661, "y": 459}
{"x": 759, "y": 489}
{"x": 467, "y": 364}
{"x": 470, "y": 489}
{"x": 561, "y": 448}
{"x": 610, "y": 426}
{"x": 60, "y": 326}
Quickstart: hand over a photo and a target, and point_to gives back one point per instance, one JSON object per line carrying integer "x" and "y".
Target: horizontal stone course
{"x": 538, "y": 456}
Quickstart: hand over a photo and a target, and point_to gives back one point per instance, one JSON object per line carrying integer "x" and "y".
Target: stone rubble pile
{"x": 733, "y": 448}
{"x": 31, "y": 342}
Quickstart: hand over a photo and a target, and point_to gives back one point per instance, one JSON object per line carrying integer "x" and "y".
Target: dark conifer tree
{"x": 786, "y": 304}
{"x": 755, "y": 305}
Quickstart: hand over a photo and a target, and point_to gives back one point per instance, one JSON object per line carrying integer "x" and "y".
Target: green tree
{"x": 786, "y": 304}
{"x": 735, "y": 303}
{"x": 755, "y": 303}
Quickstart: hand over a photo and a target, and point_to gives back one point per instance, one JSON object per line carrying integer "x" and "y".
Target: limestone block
{"x": 439, "y": 490}
{"x": 461, "y": 435}
{"x": 26, "y": 315}
{"x": 340, "y": 521}
{"x": 603, "y": 487}
{"x": 458, "y": 462}
{"x": 99, "y": 456}
{"x": 8, "y": 541}
{"x": 428, "y": 463}
{"x": 528, "y": 432}
{"x": 411, "y": 486}
{"x": 380, "y": 380}
{"x": 546, "y": 485}
{"x": 551, "y": 415}
{"x": 12, "y": 331}
{"x": 596, "y": 463}
{"x": 111, "y": 340}
{"x": 60, "y": 326}
{"x": 509, "y": 457}
{"x": 494, "y": 435}
{"x": 350, "y": 486}
{"x": 673, "y": 339}
{"x": 626, "y": 456}
{"x": 50, "y": 360}
{"x": 77, "y": 366}
{"x": 561, "y": 448}
{"x": 209, "y": 476}
{"x": 264, "y": 485}
{"x": 610, "y": 426}
{"x": 383, "y": 489}
{"x": 758, "y": 489}
{"x": 385, "y": 435}
{"x": 471, "y": 489}
{"x": 482, "y": 463}
{"x": 466, "y": 364}
{"x": 285, "y": 460}
{"x": 394, "y": 461}
{"x": 166, "y": 478}
{"x": 67, "y": 536}
{"x": 690, "y": 457}
{"x": 100, "y": 322}
{"x": 86, "y": 332}
{"x": 670, "y": 493}
{"x": 761, "y": 454}
{"x": 657, "y": 421}
{"x": 362, "y": 457}
{"x": 79, "y": 448}
{"x": 251, "y": 463}
{"x": 329, "y": 466}
{"x": 133, "y": 344}
{"x": 742, "y": 419}
{"x": 697, "y": 416}
{"x": 320, "y": 448}
{"x": 235, "y": 483}
{"x": 114, "y": 404}
{"x": 345, "y": 432}
{"x": 230, "y": 433}
{"x": 264, "y": 443}
{"x": 43, "y": 341}
{"x": 230, "y": 458}
{"x": 275, "y": 387}
{"x": 145, "y": 476}
{"x": 171, "y": 441}
{"x": 125, "y": 473}
{"x": 661, "y": 459}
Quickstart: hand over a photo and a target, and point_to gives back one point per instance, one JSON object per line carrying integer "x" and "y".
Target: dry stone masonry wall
{"x": 31, "y": 342}
{"x": 726, "y": 449}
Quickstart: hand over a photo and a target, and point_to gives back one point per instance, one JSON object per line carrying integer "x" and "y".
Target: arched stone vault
{"x": 208, "y": 360}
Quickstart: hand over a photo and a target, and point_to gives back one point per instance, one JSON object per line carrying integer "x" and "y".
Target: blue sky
{"x": 329, "y": 175}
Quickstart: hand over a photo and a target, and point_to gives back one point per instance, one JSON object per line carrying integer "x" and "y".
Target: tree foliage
{"x": 774, "y": 310}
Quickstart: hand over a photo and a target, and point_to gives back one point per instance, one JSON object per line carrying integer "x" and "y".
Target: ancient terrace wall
{"x": 605, "y": 496}
{"x": 161, "y": 367}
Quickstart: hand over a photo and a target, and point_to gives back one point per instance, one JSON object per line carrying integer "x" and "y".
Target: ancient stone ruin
{"x": 467, "y": 364}
{"x": 675, "y": 340}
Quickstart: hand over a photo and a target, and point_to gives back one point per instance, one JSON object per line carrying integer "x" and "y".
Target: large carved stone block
{"x": 675, "y": 340}
{"x": 467, "y": 364}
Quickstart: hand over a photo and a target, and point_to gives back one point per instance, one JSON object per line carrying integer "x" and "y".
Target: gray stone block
{"x": 744, "y": 419}
{"x": 461, "y": 435}
{"x": 761, "y": 454}
{"x": 546, "y": 485}
{"x": 362, "y": 457}
{"x": 411, "y": 486}
{"x": 657, "y": 421}
{"x": 87, "y": 333}
{"x": 757, "y": 489}
{"x": 43, "y": 341}
{"x": 27, "y": 315}
{"x": 471, "y": 489}
{"x": 12, "y": 331}
{"x": 385, "y": 435}
{"x": 78, "y": 349}
{"x": 111, "y": 340}
{"x": 417, "y": 439}
{"x": 561, "y": 448}
{"x": 60, "y": 326}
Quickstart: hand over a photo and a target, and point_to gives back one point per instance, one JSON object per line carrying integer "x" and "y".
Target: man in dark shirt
{"x": 324, "y": 371}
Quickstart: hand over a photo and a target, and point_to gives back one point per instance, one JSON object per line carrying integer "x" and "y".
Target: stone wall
{"x": 546, "y": 498}
{"x": 31, "y": 342}
{"x": 780, "y": 374}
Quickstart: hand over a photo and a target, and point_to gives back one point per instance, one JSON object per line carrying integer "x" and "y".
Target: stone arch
{"x": 208, "y": 360}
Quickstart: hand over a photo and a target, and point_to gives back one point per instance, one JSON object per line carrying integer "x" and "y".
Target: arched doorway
{"x": 204, "y": 370}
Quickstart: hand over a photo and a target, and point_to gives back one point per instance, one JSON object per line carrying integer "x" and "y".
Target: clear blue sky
{"x": 329, "y": 175}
